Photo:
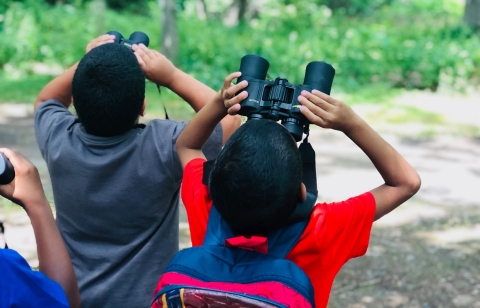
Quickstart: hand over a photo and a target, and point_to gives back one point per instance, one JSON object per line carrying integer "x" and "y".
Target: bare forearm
{"x": 401, "y": 180}
{"x": 393, "y": 168}
{"x": 59, "y": 88}
{"x": 195, "y": 135}
{"x": 191, "y": 90}
{"x": 53, "y": 257}
{"x": 197, "y": 95}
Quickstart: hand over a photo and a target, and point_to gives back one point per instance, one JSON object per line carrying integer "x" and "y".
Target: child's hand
{"x": 327, "y": 112}
{"x": 227, "y": 93}
{"x": 156, "y": 67}
{"x": 26, "y": 189}
{"x": 102, "y": 39}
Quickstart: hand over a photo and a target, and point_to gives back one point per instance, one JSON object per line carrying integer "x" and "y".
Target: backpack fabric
{"x": 229, "y": 271}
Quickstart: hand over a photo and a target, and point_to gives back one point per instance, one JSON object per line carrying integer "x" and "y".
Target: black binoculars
{"x": 7, "y": 173}
{"x": 136, "y": 37}
{"x": 278, "y": 100}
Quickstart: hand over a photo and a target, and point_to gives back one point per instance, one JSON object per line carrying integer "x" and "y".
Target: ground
{"x": 424, "y": 254}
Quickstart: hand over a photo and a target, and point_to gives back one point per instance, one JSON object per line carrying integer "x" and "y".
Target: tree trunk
{"x": 242, "y": 8}
{"x": 169, "y": 45}
{"x": 235, "y": 13}
{"x": 472, "y": 14}
{"x": 98, "y": 8}
{"x": 202, "y": 12}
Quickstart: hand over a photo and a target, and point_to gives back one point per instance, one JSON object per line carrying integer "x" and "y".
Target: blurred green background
{"x": 377, "y": 47}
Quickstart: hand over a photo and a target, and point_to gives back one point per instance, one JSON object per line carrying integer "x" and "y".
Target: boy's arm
{"x": 61, "y": 87}
{"x": 158, "y": 69}
{"x": 401, "y": 180}
{"x": 26, "y": 190}
{"x": 196, "y": 133}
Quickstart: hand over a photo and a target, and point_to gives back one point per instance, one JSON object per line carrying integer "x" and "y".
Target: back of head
{"x": 108, "y": 90}
{"x": 256, "y": 178}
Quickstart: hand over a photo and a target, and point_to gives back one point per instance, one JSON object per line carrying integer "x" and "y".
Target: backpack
{"x": 229, "y": 271}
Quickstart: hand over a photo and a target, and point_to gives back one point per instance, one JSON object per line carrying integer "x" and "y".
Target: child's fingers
{"x": 236, "y": 99}
{"x": 103, "y": 42}
{"x": 320, "y": 102}
{"x": 234, "y": 109}
{"x": 313, "y": 118}
{"x": 142, "y": 63}
{"x": 325, "y": 97}
{"x": 314, "y": 109}
{"x": 148, "y": 52}
{"x": 142, "y": 52}
{"x": 106, "y": 38}
{"x": 142, "y": 57}
{"x": 229, "y": 79}
{"x": 230, "y": 92}
{"x": 103, "y": 39}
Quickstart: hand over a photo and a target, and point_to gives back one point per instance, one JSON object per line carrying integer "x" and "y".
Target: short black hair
{"x": 108, "y": 90}
{"x": 256, "y": 178}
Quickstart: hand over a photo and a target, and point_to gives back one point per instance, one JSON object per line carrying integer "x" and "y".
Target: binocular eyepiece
{"x": 136, "y": 37}
{"x": 277, "y": 100}
{"x": 7, "y": 173}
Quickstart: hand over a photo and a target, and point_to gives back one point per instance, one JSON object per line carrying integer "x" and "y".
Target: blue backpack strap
{"x": 280, "y": 242}
{"x": 219, "y": 263}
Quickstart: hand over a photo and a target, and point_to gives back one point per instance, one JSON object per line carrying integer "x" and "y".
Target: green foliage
{"x": 385, "y": 44}
{"x": 406, "y": 44}
{"x": 36, "y": 32}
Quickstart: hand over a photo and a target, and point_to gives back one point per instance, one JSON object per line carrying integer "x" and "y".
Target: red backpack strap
{"x": 255, "y": 243}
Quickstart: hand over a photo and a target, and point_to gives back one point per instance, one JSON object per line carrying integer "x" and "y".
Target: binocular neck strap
{"x": 309, "y": 173}
{"x": 2, "y": 230}
{"x": 309, "y": 178}
{"x": 164, "y": 107}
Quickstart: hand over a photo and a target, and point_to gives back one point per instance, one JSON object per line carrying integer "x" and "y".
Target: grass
{"x": 26, "y": 89}
{"x": 374, "y": 93}
{"x": 23, "y": 90}
{"x": 404, "y": 114}
{"x": 7, "y": 206}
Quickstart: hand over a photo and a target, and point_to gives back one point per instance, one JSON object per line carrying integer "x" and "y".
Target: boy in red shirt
{"x": 255, "y": 182}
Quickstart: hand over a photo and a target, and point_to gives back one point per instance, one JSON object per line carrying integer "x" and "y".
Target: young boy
{"x": 19, "y": 285}
{"x": 256, "y": 182}
{"x": 116, "y": 183}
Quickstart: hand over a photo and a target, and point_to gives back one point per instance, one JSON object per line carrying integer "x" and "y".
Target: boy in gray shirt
{"x": 116, "y": 182}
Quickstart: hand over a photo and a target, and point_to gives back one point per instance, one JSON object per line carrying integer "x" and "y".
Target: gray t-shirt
{"x": 117, "y": 202}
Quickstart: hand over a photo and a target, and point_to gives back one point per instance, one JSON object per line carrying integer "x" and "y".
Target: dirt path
{"x": 424, "y": 254}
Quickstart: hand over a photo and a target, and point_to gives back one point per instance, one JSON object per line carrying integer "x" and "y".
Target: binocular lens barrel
{"x": 139, "y": 37}
{"x": 254, "y": 66}
{"x": 7, "y": 173}
{"x": 319, "y": 75}
{"x": 117, "y": 35}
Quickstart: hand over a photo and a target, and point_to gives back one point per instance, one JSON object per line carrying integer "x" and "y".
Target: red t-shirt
{"x": 336, "y": 232}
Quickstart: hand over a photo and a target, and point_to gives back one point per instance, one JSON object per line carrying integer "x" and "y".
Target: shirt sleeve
{"x": 343, "y": 228}
{"x": 213, "y": 146}
{"x": 197, "y": 201}
{"x": 211, "y": 149}
{"x": 52, "y": 119}
{"x": 18, "y": 280}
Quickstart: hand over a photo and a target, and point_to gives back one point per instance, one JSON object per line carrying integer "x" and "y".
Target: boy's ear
{"x": 302, "y": 193}
{"x": 142, "y": 111}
